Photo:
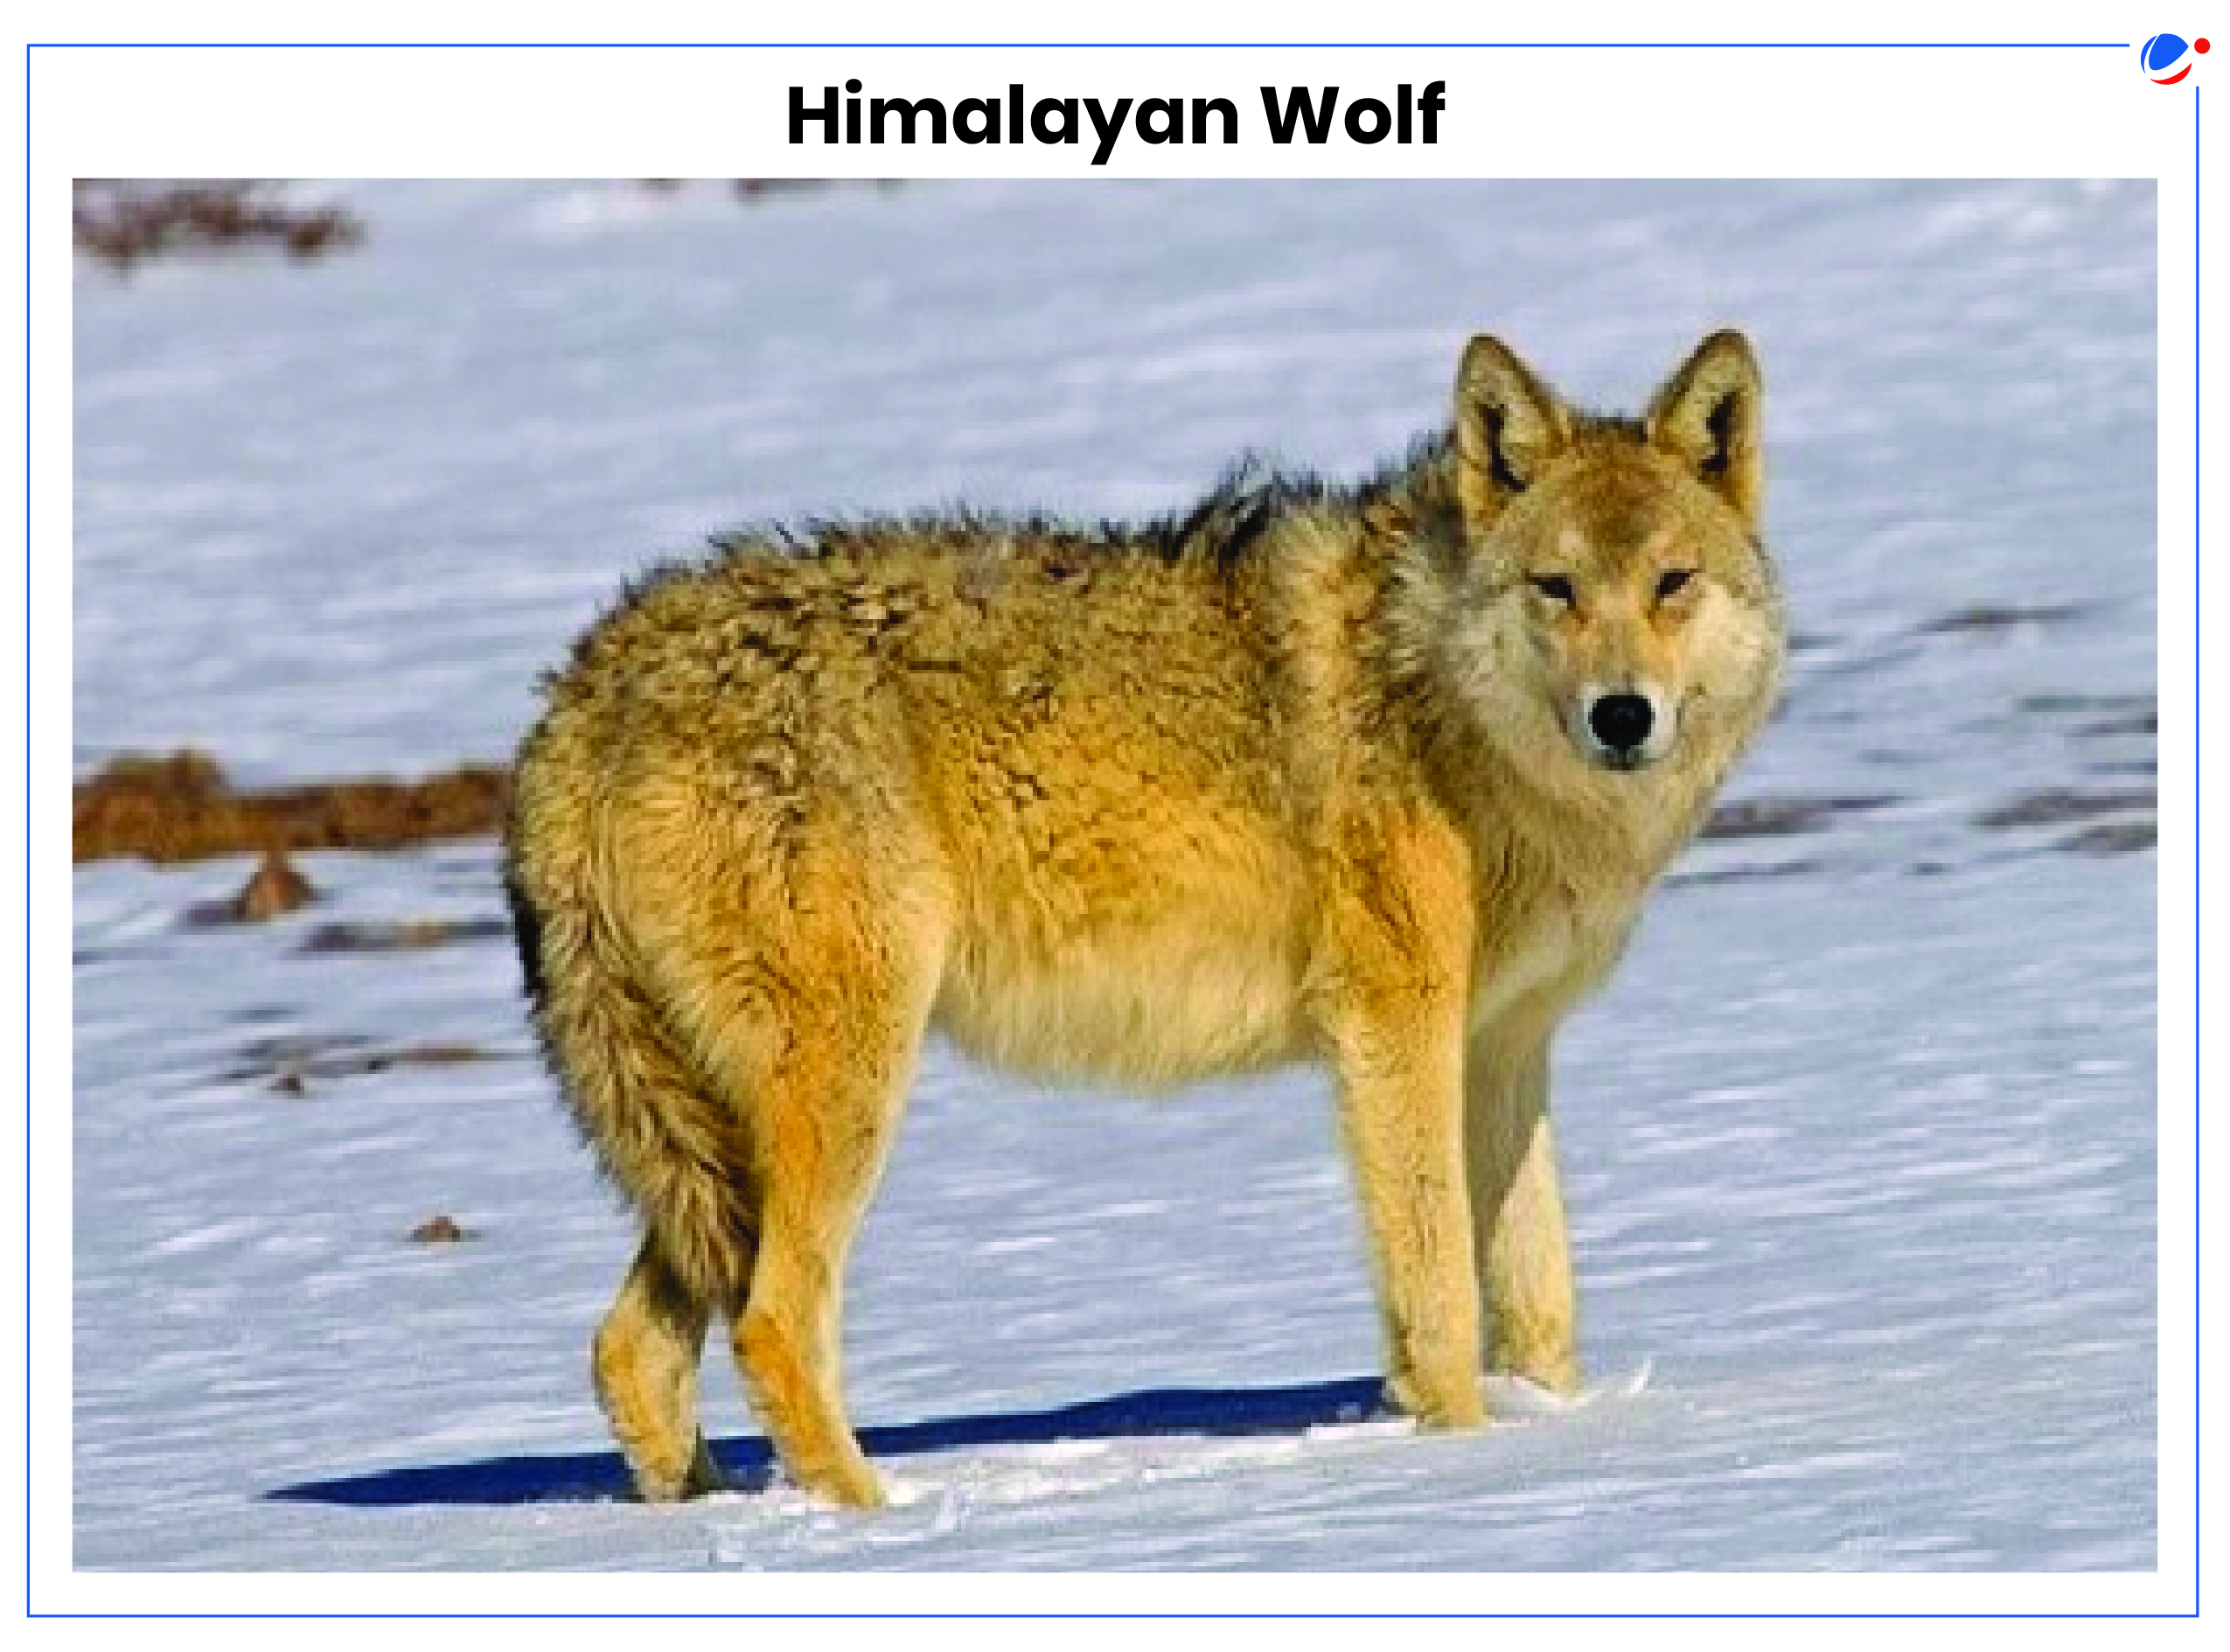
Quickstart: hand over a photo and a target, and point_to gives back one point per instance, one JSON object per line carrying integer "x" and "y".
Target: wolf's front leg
{"x": 1517, "y": 1210}
{"x": 1402, "y": 1106}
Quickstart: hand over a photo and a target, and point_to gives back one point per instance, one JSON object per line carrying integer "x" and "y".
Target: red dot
{"x": 2199, "y": 45}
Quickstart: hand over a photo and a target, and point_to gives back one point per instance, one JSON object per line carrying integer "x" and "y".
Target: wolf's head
{"x": 1611, "y": 604}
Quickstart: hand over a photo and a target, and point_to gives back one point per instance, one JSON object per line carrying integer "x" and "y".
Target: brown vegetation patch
{"x": 2110, "y": 715}
{"x": 2057, "y": 806}
{"x": 273, "y": 889}
{"x": 411, "y": 936}
{"x": 1782, "y": 817}
{"x": 123, "y": 221}
{"x": 182, "y": 808}
{"x": 2115, "y": 837}
{"x": 292, "y": 1065}
{"x": 2135, "y": 723}
{"x": 755, "y": 189}
{"x": 1990, "y": 618}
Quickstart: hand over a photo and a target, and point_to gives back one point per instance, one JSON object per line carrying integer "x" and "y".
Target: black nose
{"x": 1620, "y": 721}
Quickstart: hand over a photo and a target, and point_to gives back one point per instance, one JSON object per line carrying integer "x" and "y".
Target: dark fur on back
{"x": 1221, "y": 531}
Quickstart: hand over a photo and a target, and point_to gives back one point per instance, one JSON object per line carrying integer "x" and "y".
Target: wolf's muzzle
{"x": 1621, "y": 722}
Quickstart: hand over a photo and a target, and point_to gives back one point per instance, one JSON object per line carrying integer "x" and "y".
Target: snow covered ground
{"x": 1860, "y": 1141}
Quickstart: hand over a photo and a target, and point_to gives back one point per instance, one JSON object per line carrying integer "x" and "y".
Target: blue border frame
{"x": 1089, "y": 45}
{"x": 2197, "y": 489}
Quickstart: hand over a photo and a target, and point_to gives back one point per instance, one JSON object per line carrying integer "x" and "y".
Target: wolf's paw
{"x": 661, "y": 1475}
{"x": 847, "y": 1482}
{"x": 706, "y": 1476}
{"x": 1452, "y": 1409}
{"x": 1513, "y": 1395}
{"x": 1559, "y": 1374}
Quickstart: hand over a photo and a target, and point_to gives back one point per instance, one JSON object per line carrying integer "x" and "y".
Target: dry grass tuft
{"x": 122, "y": 222}
{"x": 182, "y": 808}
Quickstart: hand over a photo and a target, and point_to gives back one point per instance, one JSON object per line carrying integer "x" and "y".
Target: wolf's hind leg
{"x": 644, "y": 1363}
{"x": 827, "y": 1113}
{"x": 833, "y": 1118}
{"x": 795, "y": 970}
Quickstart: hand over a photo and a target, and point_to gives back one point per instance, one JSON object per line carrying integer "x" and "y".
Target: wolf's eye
{"x": 1673, "y": 580}
{"x": 1555, "y": 587}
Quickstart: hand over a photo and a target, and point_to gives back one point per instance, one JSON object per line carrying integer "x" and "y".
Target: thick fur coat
{"x": 1376, "y": 775}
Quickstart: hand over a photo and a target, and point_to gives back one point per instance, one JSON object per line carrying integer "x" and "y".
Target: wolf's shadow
{"x": 583, "y": 1476}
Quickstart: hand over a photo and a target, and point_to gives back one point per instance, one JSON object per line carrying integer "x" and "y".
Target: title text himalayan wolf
{"x": 1376, "y": 774}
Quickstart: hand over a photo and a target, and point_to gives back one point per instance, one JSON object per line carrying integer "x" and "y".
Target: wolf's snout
{"x": 1621, "y": 722}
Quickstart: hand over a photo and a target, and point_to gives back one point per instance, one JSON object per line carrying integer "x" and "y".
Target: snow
{"x": 1860, "y": 1141}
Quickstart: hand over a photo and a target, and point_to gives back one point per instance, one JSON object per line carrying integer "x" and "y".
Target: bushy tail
{"x": 661, "y": 1133}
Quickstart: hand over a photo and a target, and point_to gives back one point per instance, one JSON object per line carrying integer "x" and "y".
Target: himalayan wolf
{"x": 1375, "y": 775}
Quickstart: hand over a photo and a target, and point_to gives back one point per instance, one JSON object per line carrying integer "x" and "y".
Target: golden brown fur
{"x": 1313, "y": 773}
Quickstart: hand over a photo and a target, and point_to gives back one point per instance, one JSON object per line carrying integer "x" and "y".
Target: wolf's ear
{"x": 1708, "y": 417}
{"x": 1509, "y": 425}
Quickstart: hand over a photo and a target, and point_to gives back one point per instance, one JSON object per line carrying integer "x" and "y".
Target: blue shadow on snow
{"x": 586, "y": 1476}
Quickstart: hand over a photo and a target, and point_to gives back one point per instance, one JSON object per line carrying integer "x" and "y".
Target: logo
{"x": 2167, "y": 58}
